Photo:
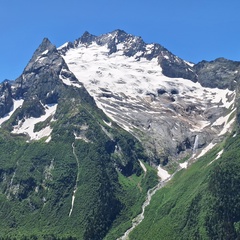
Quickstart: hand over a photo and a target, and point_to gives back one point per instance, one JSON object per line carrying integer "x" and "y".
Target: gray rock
{"x": 220, "y": 73}
{"x": 6, "y": 100}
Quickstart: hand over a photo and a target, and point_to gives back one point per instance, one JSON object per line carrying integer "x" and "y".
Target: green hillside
{"x": 202, "y": 202}
{"x": 37, "y": 179}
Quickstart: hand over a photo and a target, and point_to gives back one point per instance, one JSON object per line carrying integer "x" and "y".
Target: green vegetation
{"x": 37, "y": 179}
{"x": 132, "y": 195}
{"x": 200, "y": 203}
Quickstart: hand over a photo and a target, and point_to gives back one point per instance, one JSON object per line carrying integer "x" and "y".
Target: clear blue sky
{"x": 193, "y": 30}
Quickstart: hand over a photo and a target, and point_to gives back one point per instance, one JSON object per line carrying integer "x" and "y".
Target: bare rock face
{"x": 221, "y": 73}
{"x": 41, "y": 75}
{"x": 6, "y": 100}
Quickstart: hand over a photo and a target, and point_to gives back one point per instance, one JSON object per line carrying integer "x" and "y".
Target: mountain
{"x": 145, "y": 88}
{"x": 61, "y": 156}
{"x": 89, "y": 127}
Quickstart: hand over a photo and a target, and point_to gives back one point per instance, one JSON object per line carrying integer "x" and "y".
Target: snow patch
{"x": 63, "y": 46}
{"x": 16, "y": 105}
{"x": 108, "y": 123}
{"x": 68, "y": 82}
{"x": 227, "y": 127}
{"x": 45, "y": 52}
{"x": 163, "y": 174}
{"x": 120, "y": 46}
{"x": 218, "y": 156}
{"x": 26, "y": 125}
{"x": 48, "y": 139}
{"x": 223, "y": 119}
{"x": 76, "y": 183}
{"x": 142, "y": 166}
{"x": 206, "y": 149}
{"x": 189, "y": 64}
{"x": 183, "y": 165}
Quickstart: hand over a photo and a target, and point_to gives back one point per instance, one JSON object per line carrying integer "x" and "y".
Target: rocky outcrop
{"x": 220, "y": 73}
{"x": 6, "y": 100}
{"x": 41, "y": 75}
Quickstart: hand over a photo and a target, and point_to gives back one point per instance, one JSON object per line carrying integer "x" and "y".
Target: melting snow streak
{"x": 75, "y": 187}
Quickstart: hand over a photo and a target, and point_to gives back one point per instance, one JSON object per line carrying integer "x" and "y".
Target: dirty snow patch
{"x": 163, "y": 174}
{"x": 227, "y": 127}
{"x": 223, "y": 120}
{"x": 143, "y": 166}
{"x": 183, "y": 165}
{"x": 81, "y": 137}
{"x": 45, "y": 132}
{"x": 206, "y": 149}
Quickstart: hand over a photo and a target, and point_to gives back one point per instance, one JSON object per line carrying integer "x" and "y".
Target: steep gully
{"x": 75, "y": 187}
{"x": 139, "y": 218}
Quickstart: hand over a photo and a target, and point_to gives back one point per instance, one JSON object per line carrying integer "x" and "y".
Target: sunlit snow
{"x": 184, "y": 165}
{"x": 143, "y": 166}
{"x": 218, "y": 156}
{"x": 206, "y": 149}
{"x": 120, "y": 74}
{"x": 16, "y": 104}
{"x": 131, "y": 90}
{"x": 68, "y": 82}
{"x": 26, "y": 125}
{"x": 163, "y": 174}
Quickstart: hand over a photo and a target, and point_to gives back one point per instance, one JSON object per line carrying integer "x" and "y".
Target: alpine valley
{"x": 109, "y": 137}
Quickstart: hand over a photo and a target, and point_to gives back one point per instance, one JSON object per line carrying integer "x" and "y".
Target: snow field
{"x": 135, "y": 78}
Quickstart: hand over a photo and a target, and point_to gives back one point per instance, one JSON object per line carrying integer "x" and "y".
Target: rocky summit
{"x": 89, "y": 127}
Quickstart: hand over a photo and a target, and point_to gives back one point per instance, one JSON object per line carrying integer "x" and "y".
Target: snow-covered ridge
{"x": 135, "y": 93}
{"x": 93, "y": 66}
{"x": 26, "y": 125}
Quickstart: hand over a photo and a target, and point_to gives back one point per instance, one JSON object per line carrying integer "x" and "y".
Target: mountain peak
{"x": 119, "y": 32}
{"x": 44, "y": 48}
{"x": 85, "y": 38}
{"x": 45, "y": 45}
